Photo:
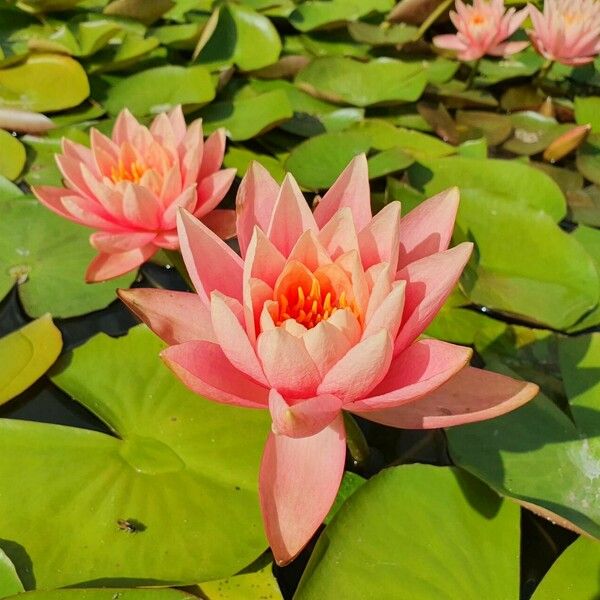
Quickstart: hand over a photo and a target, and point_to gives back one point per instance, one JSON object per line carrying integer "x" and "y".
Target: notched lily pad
{"x": 12, "y": 155}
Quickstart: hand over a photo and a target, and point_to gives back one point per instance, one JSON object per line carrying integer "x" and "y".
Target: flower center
{"x": 128, "y": 172}
{"x": 310, "y": 305}
{"x": 572, "y": 18}
{"x": 477, "y": 19}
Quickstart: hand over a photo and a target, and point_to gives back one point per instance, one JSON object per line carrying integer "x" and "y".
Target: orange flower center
{"x": 309, "y": 299}
{"x": 128, "y": 172}
{"x": 572, "y": 18}
{"x": 477, "y": 19}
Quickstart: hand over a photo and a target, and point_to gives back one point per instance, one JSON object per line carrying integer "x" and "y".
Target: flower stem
{"x": 544, "y": 71}
{"x": 432, "y": 18}
{"x": 472, "y": 74}
{"x": 355, "y": 439}
{"x": 176, "y": 261}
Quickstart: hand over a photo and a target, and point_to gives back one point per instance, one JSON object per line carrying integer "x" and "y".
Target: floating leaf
{"x": 533, "y": 133}
{"x": 366, "y": 543}
{"x": 588, "y": 158}
{"x": 260, "y": 585}
{"x": 496, "y": 128}
{"x": 26, "y": 354}
{"x": 523, "y": 64}
{"x": 37, "y": 83}
{"x": 9, "y": 580}
{"x": 140, "y": 10}
{"x": 587, "y": 111}
{"x": 389, "y": 161}
{"x": 170, "y": 498}
{"x": 105, "y": 594}
{"x": 12, "y": 155}
{"x": 344, "y": 80}
{"x": 589, "y": 238}
{"x": 378, "y": 35}
{"x": 240, "y": 159}
{"x": 159, "y": 89}
{"x": 48, "y": 259}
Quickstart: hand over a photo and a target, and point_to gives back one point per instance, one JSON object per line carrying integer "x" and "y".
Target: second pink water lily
{"x": 322, "y": 314}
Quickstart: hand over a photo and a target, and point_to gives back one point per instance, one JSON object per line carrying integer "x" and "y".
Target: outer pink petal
{"x": 471, "y": 395}
{"x": 429, "y": 282}
{"x": 287, "y": 364}
{"x": 211, "y": 264}
{"x": 221, "y": 221}
{"x": 263, "y": 260}
{"x": 204, "y": 368}
{"x": 310, "y": 252}
{"x": 212, "y": 157}
{"x": 449, "y": 42}
{"x": 350, "y": 189}
{"x": 109, "y": 266}
{"x": 80, "y": 153}
{"x": 115, "y": 243}
{"x": 420, "y": 369}
{"x": 186, "y": 201}
{"x": 212, "y": 190}
{"x": 291, "y": 217}
{"x": 176, "y": 317}
{"x": 177, "y": 122}
{"x": 305, "y": 418}
{"x": 338, "y": 236}
{"x": 508, "y": 48}
{"x": 360, "y": 370}
{"x": 255, "y": 202}
{"x": 299, "y": 479}
{"x": 388, "y": 314}
{"x": 232, "y": 337}
{"x": 142, "y": 208}
{"x": 379, "y": 240}
{"x": 427, "y": 229}
{"x": 125, "y": 127}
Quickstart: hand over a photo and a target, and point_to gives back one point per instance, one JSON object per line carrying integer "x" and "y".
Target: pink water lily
{"x": 483, "y": 28}
{"x": 130, "y": 187}
{"x": 568, "y": 31}
{"x": 322, "y": 314}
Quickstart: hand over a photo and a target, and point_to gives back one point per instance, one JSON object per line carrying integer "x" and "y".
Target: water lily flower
{"x": 322, "y": 314}
{"x": 130, "y": 187}
{"x": 482, "y": 28}
{"x": 568, "y": 31}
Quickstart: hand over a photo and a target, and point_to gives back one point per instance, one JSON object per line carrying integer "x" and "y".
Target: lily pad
{"x": 588, "y": 158}
{"x": 260, "y": 585}
{"x": 344, "y": 80}
{"x": 9, "y": 580}
{"x": 171, "y": 498}
{"x": 47, "y": 259}
{"x": 140, "y": 10}
{"x": 389, "y": 161}
{"x": 494, "y": 127}
{"x": 12, "y": 155}
{"x": 533, "y": 133}
{"x": 523, "y": 64}
{"x": 240, "y": 159}
{"x": 26, "y": 354}
{"x": 106, "y": 594}
{"x": 376, "y": 35}
{"x": 389, "y": 534}
{"x": 37, "y": 83}
{"x": 245, "y": 118}
{"x": 537, "y": 454}
{"x": 587, "y": 110}
{"x": 589, "y": 238}
{"x": 159, "y": 89}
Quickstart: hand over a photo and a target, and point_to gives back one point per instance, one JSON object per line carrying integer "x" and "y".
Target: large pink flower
{"x": 568, "y": 31}
{"x": 322, "y": 314}
{"x": 483, "y": 28}
{"x": 130, "y": 188}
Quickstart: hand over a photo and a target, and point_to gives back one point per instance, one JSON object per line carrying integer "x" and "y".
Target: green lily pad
{"x": 523, "y": 64}
{"x": 140, "y": 10}
{"x": 171, "y": 498}
{"x": 260, "y": 585}
{"x": 12, "y": 155}
{"x": 245, "y": 118}
{"x": 389, "y": 161}
{"x": 574, "y": 574}
{"x": 584, "y": 206}
{"x": 133, "y": 48}
{"x": 491, "y": 179}
{"x": 589, "y": 238}
{"x": 26, "y": 354}
{"x": 334, "y": 43}
{"x": 428, "y": 531}
{"x": 159, "y": 89}
{"x": 494, "y": 127}
{"x": 240, "y": 159}
{"x": 567, "y": 180}
{"x": 543, "y": 276}
{"x": 537, "y": 454}
{"x": 376, "y": 35}
{"x": 242, "y": 37}
{"x": 588, "y": 158}
{"x": 9, "y": 580}
{"x": 106, "y": 594}
{"x": 350, "y": 483}
{"x": 37, "y": 83}
{"x": 587, "y": 110}
{"x": 47, "y": 256}
{"x": 344, "y": 80}
{"x": 8, "y": 191}
{"x": 315, "y": 14}
{"x": 533, "y": 133}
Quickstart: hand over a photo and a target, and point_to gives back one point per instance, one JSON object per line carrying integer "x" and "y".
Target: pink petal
{"x": 471, "y": 395}
{"x": 221, "y": 221}
{"x": 360, "y": 370}
{"x": 299, "y": 479}
{"x": 352, "y": 267}
{"x": 191, "y": 149}
{"x": 203, "y": 368}
{"x": 232, "y": 337}
{"x": 168, "y": 240}
{"x": 212, "y": 190}
{"x": 109, "y": 266}
{"x": 186, "y": 201}
{"x": 379, "y": 240}
{"x": 255, "y": 202}
{"x": 287, "y": 364}
{"x": 70, "y": 169}
{"x": 80, "y": 153}
{"x": 309, "y": 251}
{"x": 448, "y": 42}
{"x": 142, "y": 208}
{"x": 291, "y": 217}
{"x": 508, "y": 48}
{"x": 305, "y": 418}
{"x": 427, "y": 229}
{"x": 420, "y": 369}
{"x": 388, "y": 314}
{"x": 326, "y": 344}
{"x": 429, "y": 282}
{"x": 211, "y": 264}
{"x": 115, "y": 243}
{"x": 104, "y": 151}
{"x": 263, "y": 260}
{"x": 176, "y": 317}
{"x": 339, "y": 234}
{"x": 350, "y": 189}
{"x": 212, "y": 157}
{"x": 126, "y": 126}
{"x": 177, "y": 122}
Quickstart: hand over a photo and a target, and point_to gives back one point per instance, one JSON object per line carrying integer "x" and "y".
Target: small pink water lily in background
{"x": 130, "y": 188}
{"x": 322, "y": 315}
{"x": 483, "y": 28}
{"x": 568, "y": 31}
